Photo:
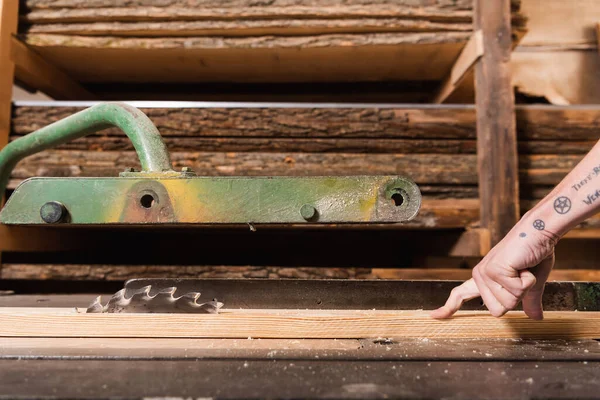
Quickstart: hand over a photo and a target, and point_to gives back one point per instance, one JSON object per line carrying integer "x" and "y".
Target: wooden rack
{"x": 448, "y": 148}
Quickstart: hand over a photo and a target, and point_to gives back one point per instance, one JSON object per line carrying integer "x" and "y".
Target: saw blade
{"x": 164, "y": 301}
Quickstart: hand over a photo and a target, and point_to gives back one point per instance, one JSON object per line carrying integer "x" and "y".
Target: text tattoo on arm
{"x": 592, "y": 197}
{"x": 595, "y": 172}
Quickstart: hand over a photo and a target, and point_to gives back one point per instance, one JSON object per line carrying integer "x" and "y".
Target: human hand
{"x": 515, "y": 270}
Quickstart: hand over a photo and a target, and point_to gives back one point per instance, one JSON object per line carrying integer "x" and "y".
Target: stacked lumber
{"x": 435, "y": 145}
{"x": 178, "y": 41}
{"x": 181, "y": 49}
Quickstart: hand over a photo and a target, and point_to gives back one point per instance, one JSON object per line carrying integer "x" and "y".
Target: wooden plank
{"x": 233, "y": 5}
{"x": 37, "y": 322}
{"x": 252, "y": 27}
{"x": 496, "y": 127}
{"x": 536, "y": 124}
{"x": 469, "y": 55}
{"x": 78, "y": 11}
{"x": 403, "y": 122}
{"x": 105, "y": 142}
{"x": 319, "y": 58}
{"x": 37, "y": 73}
{"x": 424, "y": 169}
{"x": 303, "y": 145}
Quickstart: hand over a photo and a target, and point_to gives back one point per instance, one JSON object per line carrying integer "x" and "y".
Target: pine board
{"x": 48, "y": 322}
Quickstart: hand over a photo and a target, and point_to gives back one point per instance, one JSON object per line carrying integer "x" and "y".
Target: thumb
{"x": 532, "y": 302}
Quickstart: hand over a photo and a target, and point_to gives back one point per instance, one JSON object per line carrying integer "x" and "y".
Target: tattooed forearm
{"x": 595, "y": 172}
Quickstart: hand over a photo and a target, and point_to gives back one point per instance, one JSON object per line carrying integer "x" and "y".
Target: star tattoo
{"x": 539, "y": 225}
{"x": 562, "y": 205}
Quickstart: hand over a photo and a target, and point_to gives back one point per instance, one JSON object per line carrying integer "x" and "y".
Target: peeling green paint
{"x": 214, "y": 200}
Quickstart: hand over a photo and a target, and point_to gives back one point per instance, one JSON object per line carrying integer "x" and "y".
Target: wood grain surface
{"x": 71, "y": 322}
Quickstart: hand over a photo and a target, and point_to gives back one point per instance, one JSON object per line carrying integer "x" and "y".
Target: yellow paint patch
{"x": 186, "y": 199}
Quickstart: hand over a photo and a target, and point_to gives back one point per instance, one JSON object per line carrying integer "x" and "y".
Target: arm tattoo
{"x": 562, "y": 205}
{"x": 539, "y": 224}
{"x": 592, "y": 197}
{"x": 595, "y": 172}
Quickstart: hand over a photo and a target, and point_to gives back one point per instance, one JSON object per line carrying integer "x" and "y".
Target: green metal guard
{"x": 146, "y": 139}
{"x": 158, "y": 195}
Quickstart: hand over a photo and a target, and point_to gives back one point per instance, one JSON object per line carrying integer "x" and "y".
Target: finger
{"x": 532, "y": 302}
{"x": 508, "y": 278}
{"x": 494, "y": 306}
{"x": 458, "y": 296}
{"x": 504, "y": 296}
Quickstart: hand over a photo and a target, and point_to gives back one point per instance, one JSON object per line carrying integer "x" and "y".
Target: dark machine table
{"x": 118, "y": 368}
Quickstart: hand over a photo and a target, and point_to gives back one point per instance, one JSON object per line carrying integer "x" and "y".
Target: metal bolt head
{"x": 308, "y": 212}
{"x": 53, "y": 212}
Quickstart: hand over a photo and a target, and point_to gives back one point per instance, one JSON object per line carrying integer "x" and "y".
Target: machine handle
{"x": 146, "y": 139}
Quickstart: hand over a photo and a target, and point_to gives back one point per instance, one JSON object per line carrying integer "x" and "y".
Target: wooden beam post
{"x": 496, "y": 126}
{"x": 9, "y": 14}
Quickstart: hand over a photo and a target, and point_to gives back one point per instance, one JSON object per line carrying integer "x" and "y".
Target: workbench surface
{"x": 136, "y": 368}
